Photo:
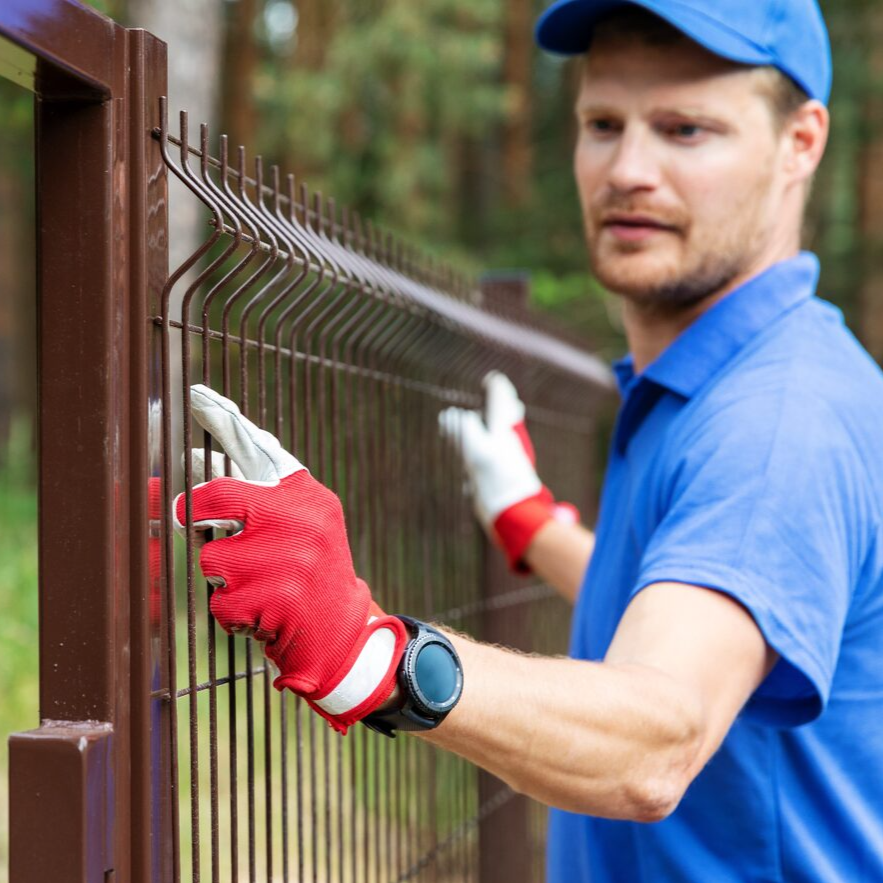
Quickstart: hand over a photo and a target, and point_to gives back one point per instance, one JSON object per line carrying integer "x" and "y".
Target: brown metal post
{"x": 82, "y": 778}
{"x": 61, "y": 787}
{"x": 504, "y": 835}
{"x": 148, "y": 265}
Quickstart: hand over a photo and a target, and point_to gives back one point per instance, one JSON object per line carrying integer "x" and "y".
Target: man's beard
{"x": 671, "y": 297}
{"x": 715, "y": 263}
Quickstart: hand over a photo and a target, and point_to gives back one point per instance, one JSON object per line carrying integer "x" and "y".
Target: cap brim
{"x": 566, "y": 28}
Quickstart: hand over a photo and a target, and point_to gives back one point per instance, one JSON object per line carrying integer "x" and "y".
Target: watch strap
{"x": 406, "y": 717}
{"x": 396, "y": 719}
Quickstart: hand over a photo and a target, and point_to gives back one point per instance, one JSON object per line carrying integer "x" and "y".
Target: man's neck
{"x": 649, "y": 333}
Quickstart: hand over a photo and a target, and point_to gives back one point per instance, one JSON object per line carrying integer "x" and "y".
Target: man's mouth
{"x": 634, "y": 227}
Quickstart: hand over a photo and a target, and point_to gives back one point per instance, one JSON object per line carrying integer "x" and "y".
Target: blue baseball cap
{"x": 787, "y": 34}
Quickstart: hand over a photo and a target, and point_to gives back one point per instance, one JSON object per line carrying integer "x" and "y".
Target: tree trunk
{"x": 313, "y": 33}
{"x": 240, "y": 63}
{"x": 193, "y": 30}
{"x": 517, "y": 151}
{"x": 871, "y": 192}
{"x": 315, "y": 19}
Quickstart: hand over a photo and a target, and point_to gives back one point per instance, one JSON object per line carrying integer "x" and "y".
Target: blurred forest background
{"x": 441, "y": 121}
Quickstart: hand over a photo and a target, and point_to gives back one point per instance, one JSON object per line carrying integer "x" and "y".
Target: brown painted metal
{"x": 148, "y": 268}
{"x": 61, "y": 790}
{"x": 71, "y": 44}
{"x": 100, "y": 246}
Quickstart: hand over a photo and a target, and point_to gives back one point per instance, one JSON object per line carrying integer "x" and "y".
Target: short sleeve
{"x": 764, "y": 505}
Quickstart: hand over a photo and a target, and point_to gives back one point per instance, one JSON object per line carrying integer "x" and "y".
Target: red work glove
{"x": 286, "y": 576}
{"x": 511, "y": 502}
{"x": 154, "y": 550}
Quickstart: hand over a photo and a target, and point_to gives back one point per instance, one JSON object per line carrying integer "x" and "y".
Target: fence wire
{"x": 346, "y": 344}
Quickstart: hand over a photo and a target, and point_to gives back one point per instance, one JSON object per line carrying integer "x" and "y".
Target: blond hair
{"x": 784, "y": 95}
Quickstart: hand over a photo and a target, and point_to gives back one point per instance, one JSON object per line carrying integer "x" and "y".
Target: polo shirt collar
{"x": 697, "y": 354}
{"x": 712, "y": 340}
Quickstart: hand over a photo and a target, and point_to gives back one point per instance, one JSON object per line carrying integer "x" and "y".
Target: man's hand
{"x": 286, "y": 575}
{"x": 511, "y": 502}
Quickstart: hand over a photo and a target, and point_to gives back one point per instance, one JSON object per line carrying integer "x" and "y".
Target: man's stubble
{"x": 710, "y": 258}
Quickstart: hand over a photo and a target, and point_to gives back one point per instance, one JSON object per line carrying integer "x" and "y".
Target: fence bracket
{"x": 61, "y": 785}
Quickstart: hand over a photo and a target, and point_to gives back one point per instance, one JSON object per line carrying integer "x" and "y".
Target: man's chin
{"x": 657, "y": 287}
{"x": 636, "y": 276}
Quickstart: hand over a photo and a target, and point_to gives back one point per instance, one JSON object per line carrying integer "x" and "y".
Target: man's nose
{"x": 634, "y": 164}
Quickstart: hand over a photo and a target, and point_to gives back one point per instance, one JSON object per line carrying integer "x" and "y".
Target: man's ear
{"x": 806, "y": 134}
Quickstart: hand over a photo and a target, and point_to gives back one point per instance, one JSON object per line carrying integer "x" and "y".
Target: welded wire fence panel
{"x": 346, "y": 344}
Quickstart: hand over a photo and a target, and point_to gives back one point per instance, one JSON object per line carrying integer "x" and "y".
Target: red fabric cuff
{"x": 382, "y": 692}
{"x": 516, "y": 527}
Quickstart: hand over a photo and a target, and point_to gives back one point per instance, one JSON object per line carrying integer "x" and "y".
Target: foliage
{"x": 580, "y": 304}
{"x": 834, "y": 224}
{"x": 377, "y": 121}
{"x": 18, "y": 582}
{"x": 398, "y": 109}
{"x": 18, "y": 599}
{"x": 16, "y": 138}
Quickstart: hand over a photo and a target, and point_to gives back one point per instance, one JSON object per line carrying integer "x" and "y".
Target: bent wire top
{"x": 291, "y": 237}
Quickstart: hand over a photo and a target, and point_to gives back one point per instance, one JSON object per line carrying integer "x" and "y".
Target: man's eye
{"x": 601, "y": 126}
{"x": 685, "y": 131}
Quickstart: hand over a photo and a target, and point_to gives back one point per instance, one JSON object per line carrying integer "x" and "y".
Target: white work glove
{"x": 510, "y": 501}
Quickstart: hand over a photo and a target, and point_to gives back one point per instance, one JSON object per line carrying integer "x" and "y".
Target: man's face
{"x": 679, "y": 168}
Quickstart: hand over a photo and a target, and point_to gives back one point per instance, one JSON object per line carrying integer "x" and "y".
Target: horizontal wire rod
{"x": 448, "y": 395}
{"x": 525, "y": 595}
{"x": 186, "y": 691}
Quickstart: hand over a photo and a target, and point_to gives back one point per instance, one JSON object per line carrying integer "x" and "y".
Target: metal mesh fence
{"x": 163, "y": 753}
{"x": 346, "y": 344}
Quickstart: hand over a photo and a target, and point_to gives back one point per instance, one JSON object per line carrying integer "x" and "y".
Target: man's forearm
{"x": 613, "y": 741}
{"x": 559, "y": 554}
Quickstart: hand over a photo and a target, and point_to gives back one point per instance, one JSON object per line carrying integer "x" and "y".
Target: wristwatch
{"x": 430, "y": 678}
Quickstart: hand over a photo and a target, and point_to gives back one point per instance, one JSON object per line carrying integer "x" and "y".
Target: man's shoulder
{"x": 807, "y": 361}
{"x": 803, "y": 392}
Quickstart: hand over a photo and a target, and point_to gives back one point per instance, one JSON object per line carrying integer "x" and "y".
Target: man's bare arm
{"x": 559, "y": 554}
{"x": 619, "y": 739}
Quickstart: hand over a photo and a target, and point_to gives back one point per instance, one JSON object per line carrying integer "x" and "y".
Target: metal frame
{"x": 82, "y": 779}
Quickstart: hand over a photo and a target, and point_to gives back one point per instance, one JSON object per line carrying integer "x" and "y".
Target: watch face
{"x": 436, "y": 677}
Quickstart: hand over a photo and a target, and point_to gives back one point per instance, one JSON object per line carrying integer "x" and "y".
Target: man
{"x": 726, "y": 681}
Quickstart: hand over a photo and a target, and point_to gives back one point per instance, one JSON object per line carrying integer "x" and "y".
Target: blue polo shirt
{"x": 748, "y": 458}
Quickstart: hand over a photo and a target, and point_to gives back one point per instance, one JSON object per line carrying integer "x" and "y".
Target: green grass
{"x": 18, "y": 600}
